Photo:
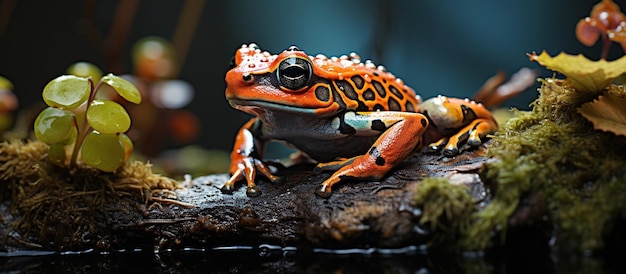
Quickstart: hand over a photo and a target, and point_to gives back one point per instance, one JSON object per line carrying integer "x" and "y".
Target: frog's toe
{"x": 253, "y": 191}
{"x": 323, "y": 192}
{"x": 474, "y": 142}
{"x": 228, "y": 189}
{"x": 450, "y": 151}
{"x": 435, "y": 147}
{"x": 432, "y": 149}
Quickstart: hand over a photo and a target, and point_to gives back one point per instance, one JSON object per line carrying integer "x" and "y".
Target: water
{"x": 274, "y": 259}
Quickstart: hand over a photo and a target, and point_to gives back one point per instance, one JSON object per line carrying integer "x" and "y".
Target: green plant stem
{"x": 84, "y": 127}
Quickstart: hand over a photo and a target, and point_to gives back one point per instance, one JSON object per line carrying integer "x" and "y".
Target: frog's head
{"x": 260, "y": 81}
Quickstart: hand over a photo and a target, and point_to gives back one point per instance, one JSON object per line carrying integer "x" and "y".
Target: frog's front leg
{"x": 453, "y": 121}
{"x": 245, "y": 160}
{"x": 400, "y": 133}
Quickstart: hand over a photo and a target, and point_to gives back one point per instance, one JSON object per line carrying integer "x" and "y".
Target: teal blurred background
{"x": 437, "y": 47}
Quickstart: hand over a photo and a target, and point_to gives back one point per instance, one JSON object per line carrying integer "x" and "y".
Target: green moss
{"x": 52, "y": 207}
{"x": 446, "y": 208}
{"x": 555, "y": 152}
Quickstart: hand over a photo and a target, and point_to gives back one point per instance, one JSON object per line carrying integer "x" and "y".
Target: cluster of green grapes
{"x": 77, "y": 121}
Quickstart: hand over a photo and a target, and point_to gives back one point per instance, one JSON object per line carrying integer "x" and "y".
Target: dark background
{"x": 437, "y": 47}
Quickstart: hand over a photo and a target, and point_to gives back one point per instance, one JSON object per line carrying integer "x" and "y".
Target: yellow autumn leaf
{"x": 583, "y": 74}
{"x": 607, "y": 113}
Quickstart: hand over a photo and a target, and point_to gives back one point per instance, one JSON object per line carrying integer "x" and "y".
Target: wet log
{"x": 197, "y": 215}
{"x": 357, "y": 215}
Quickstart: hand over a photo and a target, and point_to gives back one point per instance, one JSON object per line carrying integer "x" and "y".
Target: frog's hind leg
{"x": 401, "y": 135}
{"x": 473, "y": 133}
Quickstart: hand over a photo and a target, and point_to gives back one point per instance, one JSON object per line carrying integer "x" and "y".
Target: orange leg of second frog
{"x": 391, "y": 148}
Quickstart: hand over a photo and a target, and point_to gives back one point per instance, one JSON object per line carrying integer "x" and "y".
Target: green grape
{"x": 57, "y": 154}
{"x": 124, "y": 88}
{"x": 127, "y": 143}
{"x": 55, "y": 125}
{"x": 107, "y": 117}
{"x": 66, "y": 92}
{"x": 103, "y": 151}
{"x": 85, "y": 69}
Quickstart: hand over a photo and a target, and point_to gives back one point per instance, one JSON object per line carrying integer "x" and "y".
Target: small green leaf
{"x": 124, "y": 88}
{"x": 103, "y": 151}
{"x": 607, "y": 113}
{"x": 66, "y": 92}
{"x": 54, "y": 125}
{"x": 107, "y": 117}
{"x": 57, "y": 154}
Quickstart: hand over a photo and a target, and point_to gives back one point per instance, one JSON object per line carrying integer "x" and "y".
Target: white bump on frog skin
{"x": 355, "y": 57}
{"x": 344, "y": 57}
{"x": 346, "y": 62}
{"x": 399, "y": 81}
{"x": 382, "y": 68}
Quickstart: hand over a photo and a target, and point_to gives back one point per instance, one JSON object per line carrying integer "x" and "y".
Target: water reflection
{"x": 273, "y": 259}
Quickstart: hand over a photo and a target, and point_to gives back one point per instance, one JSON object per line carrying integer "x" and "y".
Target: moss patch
{"x": 58, "y": 205}
{"x": 446, "y": 208}
{"x": 554, "y": 152}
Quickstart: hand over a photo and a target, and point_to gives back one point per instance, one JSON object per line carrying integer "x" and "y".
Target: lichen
{"x": 553, "y": 151}
{"x": 58, "y": 206}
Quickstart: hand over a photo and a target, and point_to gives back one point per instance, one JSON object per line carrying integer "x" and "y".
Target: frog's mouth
{"x": 261, "y": 108}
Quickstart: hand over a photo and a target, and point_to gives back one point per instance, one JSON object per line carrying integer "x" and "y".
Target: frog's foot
{"x": 246, "y": 169}
{"x": 365, "y": 167}
{"x": 472, "y": 133}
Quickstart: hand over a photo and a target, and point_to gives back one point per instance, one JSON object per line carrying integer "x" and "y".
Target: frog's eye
{"x": 294, "y": 73}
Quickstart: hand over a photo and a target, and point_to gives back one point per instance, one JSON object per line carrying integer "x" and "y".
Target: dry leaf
{"x": 583, "y": 74}
{"x": 607, "y": 113}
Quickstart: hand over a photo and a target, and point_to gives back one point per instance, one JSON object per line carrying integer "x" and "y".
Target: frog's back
{"x": 363, "y": 86}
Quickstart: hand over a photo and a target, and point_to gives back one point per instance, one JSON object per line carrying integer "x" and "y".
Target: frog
{"x": 354, "y": 119}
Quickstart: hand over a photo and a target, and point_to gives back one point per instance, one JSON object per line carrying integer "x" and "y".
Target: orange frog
{"x": 352, "y": 117}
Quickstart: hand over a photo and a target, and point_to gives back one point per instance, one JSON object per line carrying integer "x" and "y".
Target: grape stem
{"x": 84, "y": 127}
